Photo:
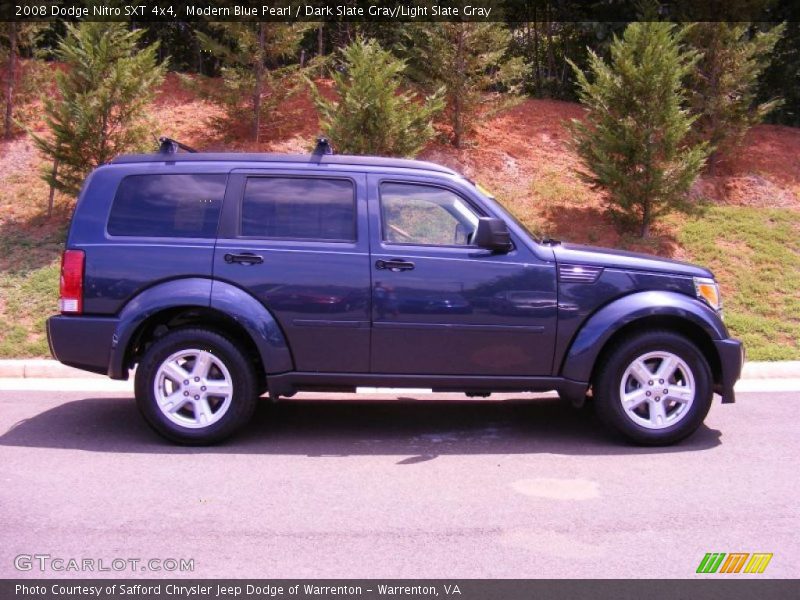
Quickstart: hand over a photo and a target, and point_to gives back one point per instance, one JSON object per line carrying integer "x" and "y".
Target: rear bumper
{"x": 731, "y": 360}
{"x": 82, "y": 342}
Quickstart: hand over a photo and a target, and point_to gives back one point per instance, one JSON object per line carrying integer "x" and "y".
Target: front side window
{"x": 167, "y": 206}
{"x": 297, "y": 208}
{"x": 425, "y": 215}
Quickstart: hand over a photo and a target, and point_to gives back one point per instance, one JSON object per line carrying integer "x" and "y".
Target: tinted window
{"x": 168, "y": 206}
{"x": 300, "y": 209}
{"x": 426, "y": 215}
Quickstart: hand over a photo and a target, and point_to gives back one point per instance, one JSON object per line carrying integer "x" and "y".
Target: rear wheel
{"x": 194, "y": 386}
{"x": 655, "y": 388}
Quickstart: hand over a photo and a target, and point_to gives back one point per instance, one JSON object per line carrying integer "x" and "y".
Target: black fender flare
{"x": 586, "y": 346}
{"x": 230, "y": 300}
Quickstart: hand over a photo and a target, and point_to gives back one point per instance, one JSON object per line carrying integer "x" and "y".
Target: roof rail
{"x": 323, "y": 147}
{"x": 169, "y": 146}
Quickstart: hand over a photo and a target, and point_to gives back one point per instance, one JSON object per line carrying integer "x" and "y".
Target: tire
{"x": 652, "y": 418}
{"x": 203, "y": 381}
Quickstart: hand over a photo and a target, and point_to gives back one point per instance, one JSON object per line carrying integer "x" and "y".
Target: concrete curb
{"x": 784, "y": 369}
{"x": 44, "y": 368}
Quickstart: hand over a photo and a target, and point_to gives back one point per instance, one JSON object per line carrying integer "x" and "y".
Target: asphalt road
{"x": 405, "y": 489}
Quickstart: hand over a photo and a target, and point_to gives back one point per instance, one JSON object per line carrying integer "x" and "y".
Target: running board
{"x": 287, "y": 384}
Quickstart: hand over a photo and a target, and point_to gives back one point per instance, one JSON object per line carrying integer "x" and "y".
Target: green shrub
{"x": 372, "y": 114}
{"x": 634, "y": 141}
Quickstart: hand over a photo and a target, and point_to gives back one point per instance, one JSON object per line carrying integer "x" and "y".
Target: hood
{"x": 621, "y": 259}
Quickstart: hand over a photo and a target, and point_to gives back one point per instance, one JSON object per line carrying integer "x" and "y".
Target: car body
{"x": 331, "y": 272}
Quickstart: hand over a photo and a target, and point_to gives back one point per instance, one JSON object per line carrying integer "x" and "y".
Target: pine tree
{"x": 783, "y": 73}
{"x": 104, "y": 90}
{"x": 633, "y": 142}
{"x": 372, "y": 114}
{"x": 724, "y": 82}
{"x": 255, "y": 82}
{"x": 467, "y": 59}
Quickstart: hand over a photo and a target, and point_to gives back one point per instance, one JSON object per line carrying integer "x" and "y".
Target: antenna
{"x": 170, "y": 146}
{"x": 323, "y": 147}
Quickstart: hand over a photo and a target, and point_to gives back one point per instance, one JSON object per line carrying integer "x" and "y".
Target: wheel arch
{"x": 690, "y": 330}
{"x": 197, "y": 303}
{"x": 183, "y": 317}
{"x": 641, "y": 312}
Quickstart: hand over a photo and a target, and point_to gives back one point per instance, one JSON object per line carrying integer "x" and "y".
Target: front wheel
{"x": 654, "y": 388}
{"x": 195, "y": 387}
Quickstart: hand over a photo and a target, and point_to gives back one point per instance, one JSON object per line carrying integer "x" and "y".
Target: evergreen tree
{"x": 633, "y": 142}
{"x": 544, "y": 37}
{"x": 724, "y": 82}
{"x": 467, "y": 59}
{"x": 372, "y": 115}
{"x": 255, "y": 80}
{"x": 782, "y": 76}
{"x": 104, "y": 91}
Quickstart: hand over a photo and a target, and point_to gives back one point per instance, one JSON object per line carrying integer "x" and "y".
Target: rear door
{"x": 443, "y": 307}
{"x": 161, "y": 226}
{"x": 297, "y": 241}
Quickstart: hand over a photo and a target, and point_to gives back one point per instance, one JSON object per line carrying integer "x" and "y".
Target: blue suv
{"x": 222, "y": 277}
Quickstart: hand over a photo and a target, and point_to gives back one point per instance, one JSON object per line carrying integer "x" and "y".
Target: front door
{"x": 441, "y": 306}
{"x": 297, "y": 241}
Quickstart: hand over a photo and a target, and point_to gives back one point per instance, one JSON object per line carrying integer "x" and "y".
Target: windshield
{"x": 505, "y": 213}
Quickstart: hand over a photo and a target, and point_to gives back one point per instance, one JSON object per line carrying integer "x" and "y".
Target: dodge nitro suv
{"x": 222, "y": 277}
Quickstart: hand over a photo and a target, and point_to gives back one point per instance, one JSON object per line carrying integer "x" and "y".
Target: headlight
{"x": 708, "y": 291}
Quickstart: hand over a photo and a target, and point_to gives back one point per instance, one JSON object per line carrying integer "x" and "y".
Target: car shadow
{"x": 418, "y": 429}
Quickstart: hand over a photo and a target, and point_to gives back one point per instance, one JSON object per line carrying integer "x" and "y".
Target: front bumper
{"x": 731, "y": 360}
{"x": 82, "y": 342}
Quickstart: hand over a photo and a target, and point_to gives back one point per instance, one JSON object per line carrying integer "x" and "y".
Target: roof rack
{"x": 323, "y": 147}
{"x": 287, "y": 159}
{"x": 169, "y": 146}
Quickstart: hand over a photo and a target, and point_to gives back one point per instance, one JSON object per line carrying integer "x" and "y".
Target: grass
{"x": 755, "y": 255}
{"x": 28, "y": 290}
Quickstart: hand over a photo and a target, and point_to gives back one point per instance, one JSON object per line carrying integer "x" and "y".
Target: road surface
{"x": 415, "y": 488}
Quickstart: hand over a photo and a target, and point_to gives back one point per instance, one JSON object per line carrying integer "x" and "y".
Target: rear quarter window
{"x": 179, "y": 205}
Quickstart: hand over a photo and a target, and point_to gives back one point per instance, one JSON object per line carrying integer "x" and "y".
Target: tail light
{"x": 71, "y": 289}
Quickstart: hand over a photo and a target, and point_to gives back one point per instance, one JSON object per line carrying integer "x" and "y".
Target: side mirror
{"x": 492, "y": 234}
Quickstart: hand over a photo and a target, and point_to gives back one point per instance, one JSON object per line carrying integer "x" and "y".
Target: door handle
{"x": 245, "y": 258}
{"x": 394, "y": 265}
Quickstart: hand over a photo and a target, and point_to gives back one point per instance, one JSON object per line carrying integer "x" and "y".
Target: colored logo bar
{"x": 735, "y": 562}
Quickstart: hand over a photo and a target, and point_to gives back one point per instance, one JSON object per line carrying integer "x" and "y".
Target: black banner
{"x": 505, "y": 589}
{"x": 393, "y": 10}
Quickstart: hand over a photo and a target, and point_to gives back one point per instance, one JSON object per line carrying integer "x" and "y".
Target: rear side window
{"x": 299, "y": 209}
{"x": 167, "y": 206}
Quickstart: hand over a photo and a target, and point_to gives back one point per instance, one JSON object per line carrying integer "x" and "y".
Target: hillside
{"x": 746, "y": 226}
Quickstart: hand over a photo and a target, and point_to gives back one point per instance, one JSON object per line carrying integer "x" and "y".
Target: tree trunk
{"x": 457, "y": 119}
{"x": 52, "y": 190}
{"x": 458, "y": 109}
{"x": 321, "y": 39}
{"x": 11, "y": 73}
{"x": 198, "y": 56}
{"x": 537, "y": 66}
{"x": 259, "y": 83}
{"x": 645, "y": 233}
{"x": 715, "y": 85}
{"x": 551, "y": 59}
